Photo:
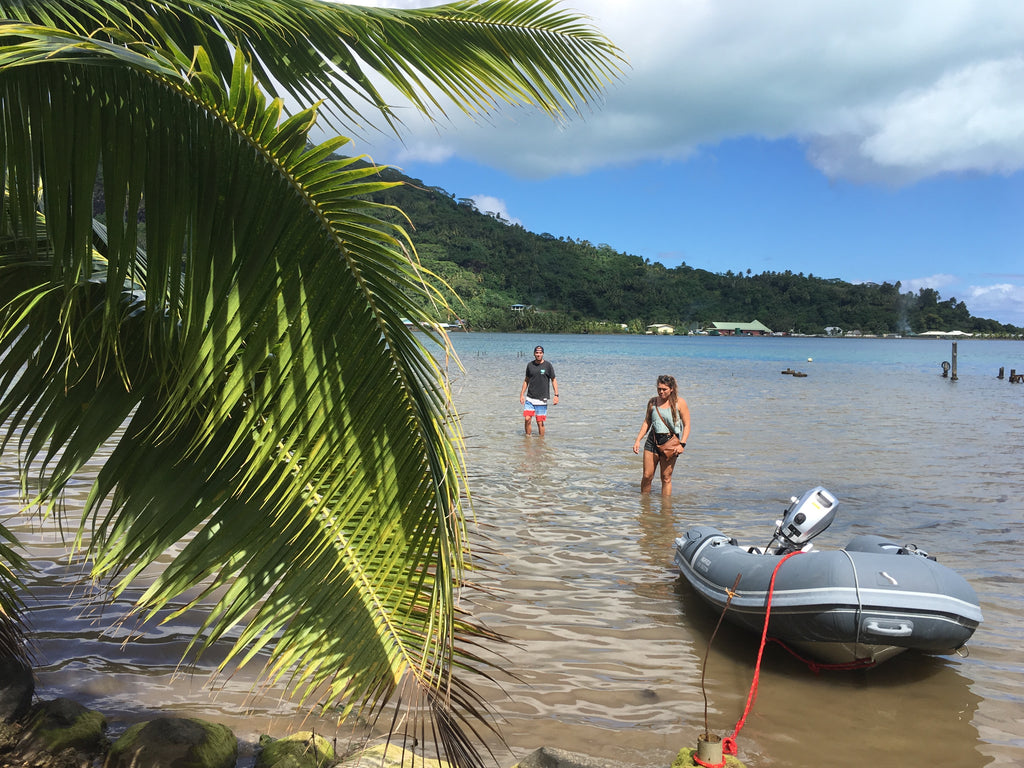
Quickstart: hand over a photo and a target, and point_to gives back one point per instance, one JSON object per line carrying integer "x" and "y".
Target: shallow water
{"x": 607, "y": 642}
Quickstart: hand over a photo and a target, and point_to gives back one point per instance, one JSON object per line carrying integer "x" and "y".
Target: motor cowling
{"x": 805, "y": 518}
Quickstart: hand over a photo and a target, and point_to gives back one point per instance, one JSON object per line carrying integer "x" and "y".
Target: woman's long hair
{"x": 673, "y": 398}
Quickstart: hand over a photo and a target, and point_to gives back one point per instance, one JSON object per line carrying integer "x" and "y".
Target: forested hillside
{"x": 577, "y": 286}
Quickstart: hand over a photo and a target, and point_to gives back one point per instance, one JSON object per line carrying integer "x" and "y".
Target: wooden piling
{"x": 953, "y": 374}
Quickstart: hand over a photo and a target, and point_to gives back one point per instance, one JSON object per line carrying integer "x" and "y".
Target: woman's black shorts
{"x": 661, "y": 438}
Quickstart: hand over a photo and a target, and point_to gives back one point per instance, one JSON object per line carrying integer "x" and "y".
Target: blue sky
{"x": 869, "y": 141}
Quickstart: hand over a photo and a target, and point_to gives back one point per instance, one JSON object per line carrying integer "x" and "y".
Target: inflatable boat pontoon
{"x": 862, "y": 604}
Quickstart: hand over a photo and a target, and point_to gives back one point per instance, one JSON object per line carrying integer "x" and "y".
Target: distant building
{"x": 756, "y": 328}
{"x": 519, "y": 307}
{"x": 946, "y": 334}
{"x": 661, "y": 328}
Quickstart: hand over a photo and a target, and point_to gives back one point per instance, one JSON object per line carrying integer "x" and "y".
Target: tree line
{"x": 489, "y": 264}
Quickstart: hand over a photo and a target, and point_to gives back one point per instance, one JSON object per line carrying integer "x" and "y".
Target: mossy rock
{"x": 175, "y": 742}
{"x": 60, "y": 724}
{"x": 685, "y": 760}
{"x": 304, "y": 749}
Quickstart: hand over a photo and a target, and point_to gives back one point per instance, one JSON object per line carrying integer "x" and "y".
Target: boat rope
{"x": 856, "y": 588}
{"x": 817, "y": 666}
{"x": 729, "y": 742}
{"x": 731, "y": 593}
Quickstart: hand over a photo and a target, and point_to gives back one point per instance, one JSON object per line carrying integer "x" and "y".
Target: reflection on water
{"x": 607, "y": 642}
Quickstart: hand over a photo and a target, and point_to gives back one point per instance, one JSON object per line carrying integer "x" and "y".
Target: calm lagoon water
{"x": 607, "y": 641}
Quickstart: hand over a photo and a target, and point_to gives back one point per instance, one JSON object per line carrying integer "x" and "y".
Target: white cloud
{"x": 936, "y": 282}
{"x": 495, "y": 207}
{"x": 968, "y": 120}
{"x": 876, "y": 90}
{"x": 1003, "y": 300}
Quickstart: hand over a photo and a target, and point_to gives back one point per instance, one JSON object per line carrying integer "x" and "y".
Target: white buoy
{"x": 810, "y": 359}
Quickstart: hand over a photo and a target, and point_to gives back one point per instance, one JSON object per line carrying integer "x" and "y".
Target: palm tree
{"x": 243, "y": 364}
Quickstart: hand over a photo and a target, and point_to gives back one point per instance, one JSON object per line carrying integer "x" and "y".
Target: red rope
{"x": 816, "y": 666}
{"x": 729, "y": 742}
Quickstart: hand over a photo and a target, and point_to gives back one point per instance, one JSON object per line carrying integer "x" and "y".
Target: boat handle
{"x": 900, "y": 629}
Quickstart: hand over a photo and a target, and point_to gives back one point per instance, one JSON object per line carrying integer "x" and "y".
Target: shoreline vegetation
{"x": 498, "y": 276}
{"x": 610, "y": 330}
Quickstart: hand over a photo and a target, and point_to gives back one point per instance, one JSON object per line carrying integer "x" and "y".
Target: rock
{"x": 390, "y": 756}
{"x": 175, "y": 742}
{"x": 549, "y": 757}
{"x": 299, "y": 750}
{"x": 55, "y": 726}
{"x": 16, "y": 688}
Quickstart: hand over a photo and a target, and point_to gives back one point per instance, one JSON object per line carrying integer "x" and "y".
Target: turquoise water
{"x": 607, "y": 643}
{"x": 973, "y": 355}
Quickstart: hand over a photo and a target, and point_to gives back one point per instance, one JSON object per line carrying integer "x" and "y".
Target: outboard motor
{"x": 805, "y": 518}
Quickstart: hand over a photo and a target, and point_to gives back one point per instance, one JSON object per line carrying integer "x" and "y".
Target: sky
{"x": 871, "y": 141}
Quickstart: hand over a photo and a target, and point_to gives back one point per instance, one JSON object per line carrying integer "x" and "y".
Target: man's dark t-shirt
{"x": 539, "y": 376}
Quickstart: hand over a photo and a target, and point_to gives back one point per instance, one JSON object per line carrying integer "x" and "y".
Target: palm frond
{"x": 257, "y": 364}
{"x": 475, "y": 53}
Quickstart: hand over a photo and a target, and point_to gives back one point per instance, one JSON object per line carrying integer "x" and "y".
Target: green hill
{"x": 576, "y": 286}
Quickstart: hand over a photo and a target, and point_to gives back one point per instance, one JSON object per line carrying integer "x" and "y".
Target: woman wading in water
{"x": 667, "y": 415}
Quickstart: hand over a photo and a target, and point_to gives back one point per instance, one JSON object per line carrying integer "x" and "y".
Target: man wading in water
{"x": 539, "y": 381}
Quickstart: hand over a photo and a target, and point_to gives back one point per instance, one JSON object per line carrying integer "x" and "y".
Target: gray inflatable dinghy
{"x": 861, "y": 605}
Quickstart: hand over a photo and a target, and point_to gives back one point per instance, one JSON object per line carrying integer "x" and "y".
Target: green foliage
{"x": 576, "y": 286}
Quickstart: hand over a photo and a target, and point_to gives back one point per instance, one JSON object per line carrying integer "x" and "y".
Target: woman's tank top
{"x": 661, "y": 427}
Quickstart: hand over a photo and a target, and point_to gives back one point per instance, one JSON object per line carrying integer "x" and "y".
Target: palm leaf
{"x": 474, "y": 53}
{"x": 261, "y": 369}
